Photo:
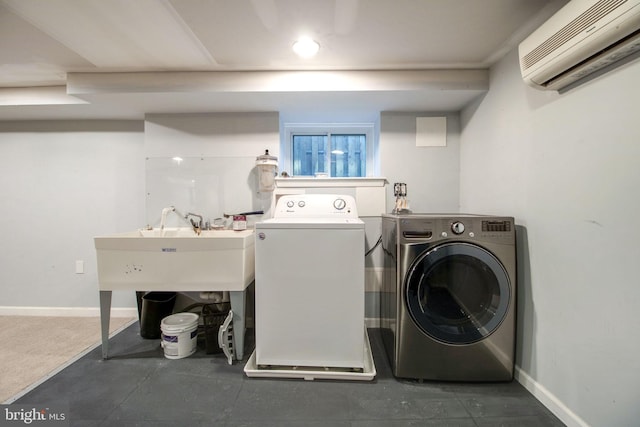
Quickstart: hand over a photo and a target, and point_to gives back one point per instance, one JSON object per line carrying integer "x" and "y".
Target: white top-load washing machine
{"x": 309, "y": 319}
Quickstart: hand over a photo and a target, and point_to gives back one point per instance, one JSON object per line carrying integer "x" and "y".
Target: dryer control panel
{"x": 431, "y": 227}
{"x": 316, "y": 206}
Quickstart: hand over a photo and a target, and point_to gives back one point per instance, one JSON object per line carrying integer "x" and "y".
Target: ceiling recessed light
{"x": 305, "y": 47}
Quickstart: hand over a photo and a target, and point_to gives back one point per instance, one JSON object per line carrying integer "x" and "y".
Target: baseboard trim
{"x": 373, "y": 279}
{"x": 372, "y": 322}
{"x": 66, "y": 311}
{"x": 548, "y": 399}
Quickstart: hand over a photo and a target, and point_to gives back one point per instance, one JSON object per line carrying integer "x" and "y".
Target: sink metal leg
{"x": 105, "y": 317}
{"x": 238, "y": 303}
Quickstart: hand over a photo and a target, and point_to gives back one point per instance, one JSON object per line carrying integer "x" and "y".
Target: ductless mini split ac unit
{"x": 581, "y": 38}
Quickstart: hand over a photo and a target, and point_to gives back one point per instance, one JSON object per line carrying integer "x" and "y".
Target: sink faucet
{"x": 163, "y": 218}
{"x": 196, "y": 226}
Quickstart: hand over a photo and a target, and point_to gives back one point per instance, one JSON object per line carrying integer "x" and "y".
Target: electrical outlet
{"x": 79, "y": 267}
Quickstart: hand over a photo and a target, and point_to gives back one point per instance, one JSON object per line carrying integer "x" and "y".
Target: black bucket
{"x": 155, "y": 307}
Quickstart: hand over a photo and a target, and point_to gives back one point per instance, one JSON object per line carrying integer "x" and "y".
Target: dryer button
{"x": 457, "y": 227}
{"x": 444, "y": 234}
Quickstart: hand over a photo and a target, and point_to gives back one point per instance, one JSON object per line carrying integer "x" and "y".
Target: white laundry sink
{"x": 176, "y": 259}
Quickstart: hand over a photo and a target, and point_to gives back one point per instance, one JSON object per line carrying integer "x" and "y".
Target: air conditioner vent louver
{"x": 627, "y": 46}
{"x": 569, "y": 31}
{"x": 582, "y": 38}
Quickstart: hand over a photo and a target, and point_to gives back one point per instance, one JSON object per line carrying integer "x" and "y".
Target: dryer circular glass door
{"x": 457, "y": 293}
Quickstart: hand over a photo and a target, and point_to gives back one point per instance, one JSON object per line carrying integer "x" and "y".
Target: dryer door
{"x": 457, "y": 293}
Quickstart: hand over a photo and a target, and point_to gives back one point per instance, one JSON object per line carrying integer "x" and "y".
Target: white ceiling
{"x": 121, "y": 59}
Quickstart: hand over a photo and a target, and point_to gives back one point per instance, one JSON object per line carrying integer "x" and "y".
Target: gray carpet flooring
{"x": 33, "y": 347}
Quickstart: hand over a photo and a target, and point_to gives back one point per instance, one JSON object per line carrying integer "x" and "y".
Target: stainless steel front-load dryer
{"x": 449, "y": 296}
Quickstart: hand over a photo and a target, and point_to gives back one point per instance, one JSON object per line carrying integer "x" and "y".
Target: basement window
{"x": 329, "y": 150}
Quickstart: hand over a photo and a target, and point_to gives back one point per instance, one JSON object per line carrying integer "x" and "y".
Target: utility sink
{"x": 176, "y": 259}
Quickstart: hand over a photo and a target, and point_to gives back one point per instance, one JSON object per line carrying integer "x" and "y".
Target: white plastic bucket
{"x": 179, "y": 335}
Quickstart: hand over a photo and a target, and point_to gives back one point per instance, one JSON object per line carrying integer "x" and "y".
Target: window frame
{"x": 291, "y": 129}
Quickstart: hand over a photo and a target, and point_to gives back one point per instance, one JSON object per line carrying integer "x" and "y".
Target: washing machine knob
{"x": 339, "y": 204}
{"x": 457, "y": 227}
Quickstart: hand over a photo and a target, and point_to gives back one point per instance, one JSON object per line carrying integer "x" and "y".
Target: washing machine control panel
{"x": 316, "y": 206}
{"x": 292, "y": 203}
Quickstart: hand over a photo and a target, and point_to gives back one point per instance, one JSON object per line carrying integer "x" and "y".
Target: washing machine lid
{"x": 320, "y": 223}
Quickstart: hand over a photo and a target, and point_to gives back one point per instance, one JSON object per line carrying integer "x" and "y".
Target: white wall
{"x": 235, "y": 139}
{"x": 431, "y": 173}
{"x": 212, "y": 135}
{"x": 566, "y": 167}
{"x": 63, "y": 183}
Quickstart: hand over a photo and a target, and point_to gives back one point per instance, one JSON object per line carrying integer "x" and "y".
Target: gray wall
{"x": 566, "y": 167}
